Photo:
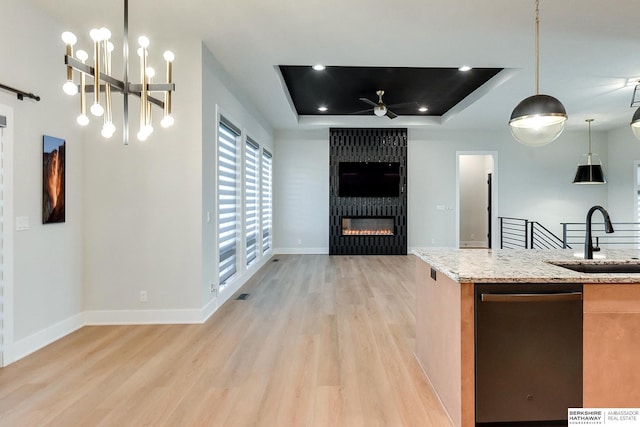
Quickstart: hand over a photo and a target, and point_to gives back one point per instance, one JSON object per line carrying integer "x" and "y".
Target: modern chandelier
{"x": 538, "y": 119}
{"x": 99, "y": 72}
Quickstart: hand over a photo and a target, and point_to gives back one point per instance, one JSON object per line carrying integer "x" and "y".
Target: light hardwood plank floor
{"x": 321, "y": 341}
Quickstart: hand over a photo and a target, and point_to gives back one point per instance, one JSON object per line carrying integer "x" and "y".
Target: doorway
{"x": 476, "y": 188}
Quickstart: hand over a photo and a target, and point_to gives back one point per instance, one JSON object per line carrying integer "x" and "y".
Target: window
{"x": 251, "y": 201}
{"x": 228, "y": 137}
{"x": 266, "y": 201}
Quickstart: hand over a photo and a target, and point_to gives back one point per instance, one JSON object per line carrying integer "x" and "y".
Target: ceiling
{"x": 404, "y": 90}
{"x": 588, "y": 49}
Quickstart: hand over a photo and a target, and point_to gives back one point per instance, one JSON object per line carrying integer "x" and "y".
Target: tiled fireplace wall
{"x": 372, "y": 145}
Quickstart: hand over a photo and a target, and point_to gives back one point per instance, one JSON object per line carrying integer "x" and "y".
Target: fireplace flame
{"x": 354, "y": 232}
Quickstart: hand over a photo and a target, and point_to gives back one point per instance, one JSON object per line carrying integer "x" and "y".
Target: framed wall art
{"x": 53, "y": 179}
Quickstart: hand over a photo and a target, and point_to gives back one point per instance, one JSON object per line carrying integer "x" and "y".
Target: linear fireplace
{"x": 368, "y": 226}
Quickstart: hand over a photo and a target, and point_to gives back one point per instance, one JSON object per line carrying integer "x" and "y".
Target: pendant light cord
{"x": 589, "y": 155}
{"x": 537, "y": 47}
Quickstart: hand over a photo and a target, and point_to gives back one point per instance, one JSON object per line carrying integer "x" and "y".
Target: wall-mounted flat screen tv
{"x": 369, "y": 179}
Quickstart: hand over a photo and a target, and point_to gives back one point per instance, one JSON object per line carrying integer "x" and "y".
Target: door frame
{"x": 7, "y": 324}
{"x": 494, "y": 193}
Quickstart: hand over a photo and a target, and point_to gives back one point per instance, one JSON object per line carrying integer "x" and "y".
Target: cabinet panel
{"x": 611, "y": 346}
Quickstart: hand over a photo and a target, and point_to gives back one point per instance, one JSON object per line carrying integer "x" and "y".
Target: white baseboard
{"x": 142, "y": 317}
{"x": 26, "y": 346}
{"x": 473, "y": 244}
{"x": 301, "y": 251}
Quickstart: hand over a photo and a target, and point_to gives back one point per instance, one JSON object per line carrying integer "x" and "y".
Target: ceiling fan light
{"x": 538, "y": 120}
{"x": 380, "y": 110}
{"x": 635, "y": 124}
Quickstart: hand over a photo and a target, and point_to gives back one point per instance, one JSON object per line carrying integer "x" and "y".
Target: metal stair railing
{"x": 625, "y": 235}
{"x": 521, "y": 233}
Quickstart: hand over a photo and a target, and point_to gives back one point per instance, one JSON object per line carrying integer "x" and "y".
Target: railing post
{"x": 564, "y": 235}
{"x": 501, "y": 234}
{"x": 526, "y": 234}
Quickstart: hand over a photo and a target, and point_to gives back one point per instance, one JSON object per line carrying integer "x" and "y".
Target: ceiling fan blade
{"x": 391, "y": 114}
{"x": 368, "y": 110}
{"x": 403, "y": 104}
{"x": 368, "y": 101}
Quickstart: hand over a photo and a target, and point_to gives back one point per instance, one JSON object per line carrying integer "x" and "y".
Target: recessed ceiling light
{"x": 423, "y": 109}
{"x": 318, "y": 67}
{"x": 322, "y": 108}
{"x": 464, "y": 68}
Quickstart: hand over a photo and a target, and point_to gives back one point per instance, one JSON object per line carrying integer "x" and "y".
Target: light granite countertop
{"x": 525, "y": 265}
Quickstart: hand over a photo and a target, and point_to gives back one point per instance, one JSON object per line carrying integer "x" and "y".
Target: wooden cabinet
{"x": 611, "y": 343}
{"x": 444, "y": 341}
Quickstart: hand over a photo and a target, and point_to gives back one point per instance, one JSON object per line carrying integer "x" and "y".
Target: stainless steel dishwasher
{"x": 528, "y": 352}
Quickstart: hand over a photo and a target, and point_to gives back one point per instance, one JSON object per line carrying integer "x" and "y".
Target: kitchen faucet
{"x": 608, "y": 228}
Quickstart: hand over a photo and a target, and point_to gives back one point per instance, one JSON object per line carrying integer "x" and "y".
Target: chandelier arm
{"x": 125, "y": 73}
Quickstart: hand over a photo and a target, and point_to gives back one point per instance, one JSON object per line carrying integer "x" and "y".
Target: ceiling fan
{"x": 379, "y": 108}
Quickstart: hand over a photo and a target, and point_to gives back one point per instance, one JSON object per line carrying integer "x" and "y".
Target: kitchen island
{"x": 446, "y": 323}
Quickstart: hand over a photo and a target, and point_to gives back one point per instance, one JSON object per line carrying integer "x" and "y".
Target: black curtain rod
{"x": 20, "y": 93}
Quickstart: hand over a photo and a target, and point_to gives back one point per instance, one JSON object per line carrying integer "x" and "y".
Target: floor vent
{"x": 275, "y": 260}
{"x": 243, "y": 296}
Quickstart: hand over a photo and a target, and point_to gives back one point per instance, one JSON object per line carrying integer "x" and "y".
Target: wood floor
{"x": 321, "y": 341}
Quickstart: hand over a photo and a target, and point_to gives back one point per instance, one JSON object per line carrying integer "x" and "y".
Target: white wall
{"x": 623, "y": 150}
{"x": 221, "y": 96}
{"x": 48, "y": 258}
{"x": 533, "y": 183}
{"x": 301, "y": 192}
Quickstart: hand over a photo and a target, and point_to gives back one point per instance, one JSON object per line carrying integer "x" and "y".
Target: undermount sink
{"x": 601, "y": 267}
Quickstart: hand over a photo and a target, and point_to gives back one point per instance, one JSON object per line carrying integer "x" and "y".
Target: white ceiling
{"x": 588, "y": 48}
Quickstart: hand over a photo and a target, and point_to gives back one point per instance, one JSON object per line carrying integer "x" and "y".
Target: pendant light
{"x": 635, "y": 120}
{"x": 538, "y": 119}
{"x": 635, "y": 124}
{"x": 590, "y": 167}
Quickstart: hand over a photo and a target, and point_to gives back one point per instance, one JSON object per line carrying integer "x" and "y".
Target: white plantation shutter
{"x": 267, "y": 219}
{"x": 228, "y": 137}
{"x": 251, "y": 198}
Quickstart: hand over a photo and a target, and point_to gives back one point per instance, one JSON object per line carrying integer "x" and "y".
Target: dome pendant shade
{"x": 538, "y": 120}
{"x": 635, "y": 124}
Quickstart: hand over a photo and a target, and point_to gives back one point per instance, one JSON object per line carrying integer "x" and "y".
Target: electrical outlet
{"x": 143, "y": 296}
{"x": 214, "y": 289}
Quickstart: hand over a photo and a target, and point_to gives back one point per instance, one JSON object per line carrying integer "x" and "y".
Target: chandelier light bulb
{"x": 167, "y": 121}
{"x": 142, "y": 136}
{"x": 97, "y": 109}
{"x": 150, "y": 72}
{"x": 143, "y": 41}
{"x": 82, "y": 120}
{"x": 169, "y": 56}
{"x": 105, "y": 33}
{"x": 140, "y": 51}
{"x": 95, "y": 35}
{"x": 70, "y": 88}
{"x": 108, "y": 129}
{"x": 82, "y": 55}
{"x": 110, "y": 47}
{"x": 69, "y": 38}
